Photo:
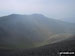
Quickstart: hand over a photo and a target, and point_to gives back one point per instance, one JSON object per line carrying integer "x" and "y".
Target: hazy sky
{"x": 52, "y": 8}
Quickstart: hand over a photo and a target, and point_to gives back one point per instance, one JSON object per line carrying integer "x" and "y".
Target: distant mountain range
{"x": 70, "y": 20}
{"x": 27, "y": 31}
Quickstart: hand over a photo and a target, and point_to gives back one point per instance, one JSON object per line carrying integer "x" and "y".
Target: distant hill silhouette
{"x": 70, "y": 20}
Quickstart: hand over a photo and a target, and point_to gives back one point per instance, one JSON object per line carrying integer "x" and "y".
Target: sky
{"x": 56, "y": 9}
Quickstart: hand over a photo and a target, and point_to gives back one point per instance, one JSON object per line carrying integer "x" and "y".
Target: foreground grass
{"x": 48, "y": 50}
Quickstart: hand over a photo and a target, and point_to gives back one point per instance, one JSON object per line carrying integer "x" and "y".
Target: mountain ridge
{"x": 19, "y": 30}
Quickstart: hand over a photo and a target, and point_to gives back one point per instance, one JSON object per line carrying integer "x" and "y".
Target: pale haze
{"x": 56, "y": 9}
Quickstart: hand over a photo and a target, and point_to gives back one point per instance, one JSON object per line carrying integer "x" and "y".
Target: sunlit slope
{"x": 56, "y": 38}
{"x": 54, "y": 49}
{"x": 26, "y": 31}
{"x": 59, "y": 37}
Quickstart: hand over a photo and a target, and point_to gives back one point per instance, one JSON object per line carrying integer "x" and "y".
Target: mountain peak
{"x": 38, "y": 15}
{"x": 15, "y": 14}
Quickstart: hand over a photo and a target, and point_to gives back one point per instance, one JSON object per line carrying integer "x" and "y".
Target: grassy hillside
{"x": 67, "y": 45}
{"x": 47, "y": 50}
{"x": 28, "y": 31}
